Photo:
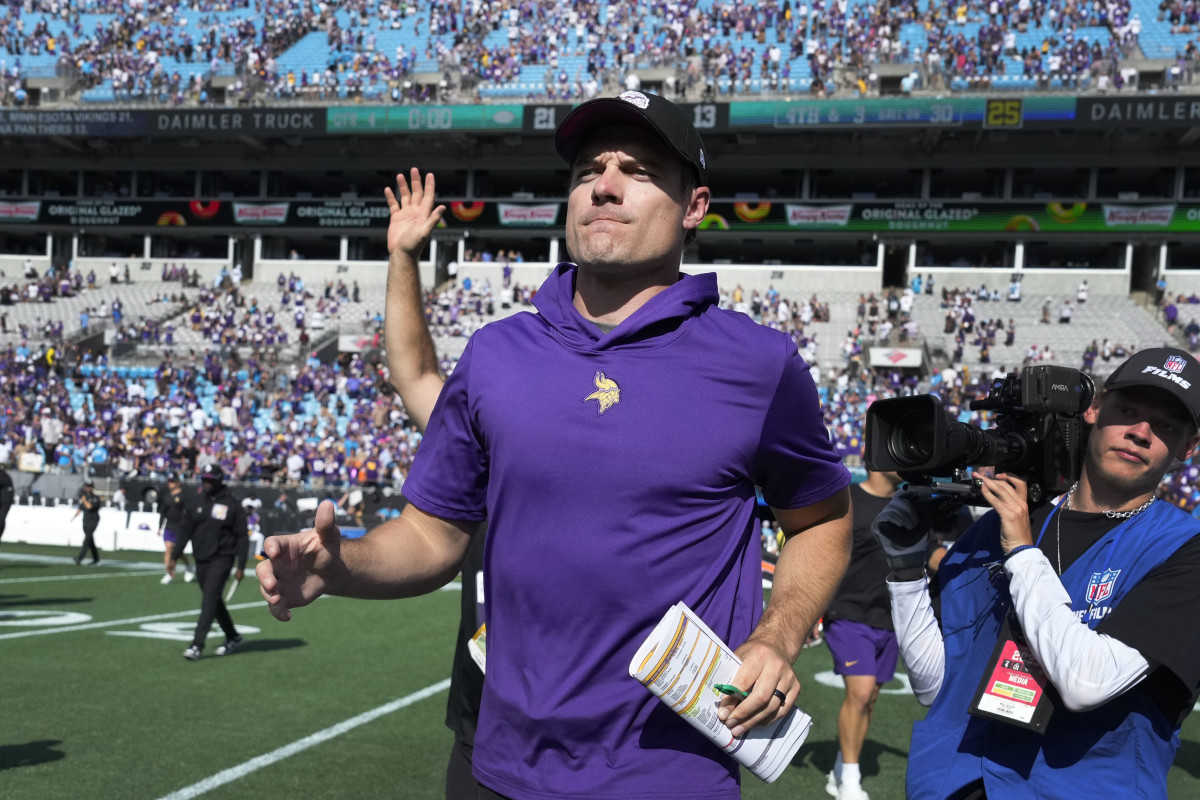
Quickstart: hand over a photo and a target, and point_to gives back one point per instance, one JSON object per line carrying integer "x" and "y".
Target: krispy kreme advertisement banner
{"x": 198, "y": 213}
{"x": 793, "y": 216}
{"x": 1098, "y": 217}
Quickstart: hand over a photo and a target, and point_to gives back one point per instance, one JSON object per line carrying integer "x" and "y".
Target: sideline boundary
{"x": 267, "y": 759}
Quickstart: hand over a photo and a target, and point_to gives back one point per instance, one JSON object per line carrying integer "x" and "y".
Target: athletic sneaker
{"x": 844, "y": 791}
{"x": 229, "y": 646}
{"x": 189, "y": 576}
{"x": 166, "y": 579}
{"x": 77, "y": 560}
{"x": 95, "y": 563}
{"x": 852, "y": 791}
{"x": 192, "y": 653}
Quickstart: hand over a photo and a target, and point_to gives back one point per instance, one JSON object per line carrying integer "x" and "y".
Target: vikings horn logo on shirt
{"x": 1100, "y": 586}
{"x": 607, "y": 393}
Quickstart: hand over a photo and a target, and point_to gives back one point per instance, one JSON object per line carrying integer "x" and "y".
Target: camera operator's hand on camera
{"x": 1006, "y": 494}
{"x": 902, "y": 529}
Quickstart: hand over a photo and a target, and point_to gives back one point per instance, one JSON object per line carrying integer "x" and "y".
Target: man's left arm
{"x": 811, "y": 564}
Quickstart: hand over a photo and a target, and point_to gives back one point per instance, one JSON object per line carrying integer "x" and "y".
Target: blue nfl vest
{"x": 1122, "y": 749}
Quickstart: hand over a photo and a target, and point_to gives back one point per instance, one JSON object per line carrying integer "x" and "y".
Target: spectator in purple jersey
{"x": 613, "y": 321}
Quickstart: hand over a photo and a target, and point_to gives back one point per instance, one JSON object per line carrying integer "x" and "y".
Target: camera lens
{"x": 910, "y": 444}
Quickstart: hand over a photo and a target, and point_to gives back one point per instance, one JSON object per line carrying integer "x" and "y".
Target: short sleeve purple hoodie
{"x": 617, "y": 472}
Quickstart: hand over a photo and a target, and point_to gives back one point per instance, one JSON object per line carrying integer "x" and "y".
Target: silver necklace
{"x": 1066, "y": 506}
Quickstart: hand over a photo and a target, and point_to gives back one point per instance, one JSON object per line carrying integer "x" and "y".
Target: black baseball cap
{"x": 212, "y": 472}
{"x": 89, "y": 482}
{"x": 652, "y": 111}
{"x": 1168, "y": 368}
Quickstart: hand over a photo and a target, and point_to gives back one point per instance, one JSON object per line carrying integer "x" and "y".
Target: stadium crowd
{"x": 325, "y": 424}
{"x": 165, "y": 52}
{"x": 306, "y": 423}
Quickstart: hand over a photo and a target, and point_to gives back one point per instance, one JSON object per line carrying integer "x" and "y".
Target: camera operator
{"x": 1059, "y": 649}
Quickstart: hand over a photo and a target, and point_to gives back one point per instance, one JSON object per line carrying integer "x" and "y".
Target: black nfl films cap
{"x": 212, "y": 472}
{"x": 1168, "y": 368}
{"x": 651, "y": 111}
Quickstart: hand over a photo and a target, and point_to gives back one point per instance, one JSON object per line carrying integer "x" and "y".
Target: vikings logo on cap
{"x": 636, "y": 98}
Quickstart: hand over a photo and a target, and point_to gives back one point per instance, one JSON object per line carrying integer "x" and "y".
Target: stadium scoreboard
{"x": 967, "y": 112}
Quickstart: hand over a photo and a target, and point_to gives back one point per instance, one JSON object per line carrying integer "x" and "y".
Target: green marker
{"x": 725, "y": 688}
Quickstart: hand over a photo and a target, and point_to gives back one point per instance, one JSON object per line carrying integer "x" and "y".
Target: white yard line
{"x": 88, "y": 626}
{"x": 85, "y": 577}
{"x": 31, "y": 558}
{"x": 266, "y": 760}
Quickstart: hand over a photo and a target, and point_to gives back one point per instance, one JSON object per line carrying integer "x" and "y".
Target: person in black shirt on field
{"x": 858, "y": 630}
{"x": 89, "y": 506}
{"x": 171, "y": 508}
{"x": 215, "y": 524}
{"x": 6, "y": 497}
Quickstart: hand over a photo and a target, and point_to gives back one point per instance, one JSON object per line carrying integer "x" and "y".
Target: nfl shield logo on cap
{"x": 1174, "y": 364}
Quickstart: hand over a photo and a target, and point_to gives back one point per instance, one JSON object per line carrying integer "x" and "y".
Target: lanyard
{"x": 1058, "y": 509}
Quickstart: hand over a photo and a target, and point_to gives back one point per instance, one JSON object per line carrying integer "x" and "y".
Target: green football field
{"x": 345, "y": 701}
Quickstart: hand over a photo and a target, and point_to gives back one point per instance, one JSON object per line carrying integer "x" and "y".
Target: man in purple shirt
{"x": 614, "y": 441}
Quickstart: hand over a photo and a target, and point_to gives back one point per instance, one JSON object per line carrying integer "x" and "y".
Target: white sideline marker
{"x": 84, "y": 577}
{"x": 299, "y": 746}
{"x": 112, "y": 623}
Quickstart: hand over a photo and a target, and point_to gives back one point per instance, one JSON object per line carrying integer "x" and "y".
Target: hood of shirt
{"x": 661, "y": 316}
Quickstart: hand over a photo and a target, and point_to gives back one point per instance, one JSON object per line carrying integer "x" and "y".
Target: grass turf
{"x": 91, "y": 711}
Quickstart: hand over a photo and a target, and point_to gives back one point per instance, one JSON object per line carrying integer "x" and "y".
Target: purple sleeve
{"x": 449, "y": 474}
{"x": 795, "y": 464}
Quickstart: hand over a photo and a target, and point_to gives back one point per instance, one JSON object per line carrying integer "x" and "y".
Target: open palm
{"x": 413, "y": 214}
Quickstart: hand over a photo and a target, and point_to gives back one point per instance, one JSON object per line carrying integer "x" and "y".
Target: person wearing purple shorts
{"x": 858, "y": 630}
{"x": 170, "y": 516}
{"x": 614, "y": 441}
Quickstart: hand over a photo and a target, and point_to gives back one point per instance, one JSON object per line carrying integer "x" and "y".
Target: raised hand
{"x": 414, "y": 215}
{"x": 1007, "y": 494}
{"x": 299, "y": 566}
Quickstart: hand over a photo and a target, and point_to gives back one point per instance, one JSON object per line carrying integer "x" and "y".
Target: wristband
{"x": 1018, "y": 549}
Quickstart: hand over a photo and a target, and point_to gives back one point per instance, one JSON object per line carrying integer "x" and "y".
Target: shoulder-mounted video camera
{"x": 1037, "y": 434}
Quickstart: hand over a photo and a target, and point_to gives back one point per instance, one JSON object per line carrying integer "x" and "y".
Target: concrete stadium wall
{"x": 208, "y": 268}
{"x": 52, "y": 525}
{"x": 314, "y": 272}
{"x": 525, "y": 273}
{"x": 13, "y": 267}
{"x": 794, "y": 280}
{"x": 1183, "y": 281}
{"x": 1034, "y": 283}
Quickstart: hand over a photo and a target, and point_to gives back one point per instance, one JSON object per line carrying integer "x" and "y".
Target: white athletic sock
{"x": 851, "y": 775}
{"x": 838, "y": 766}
